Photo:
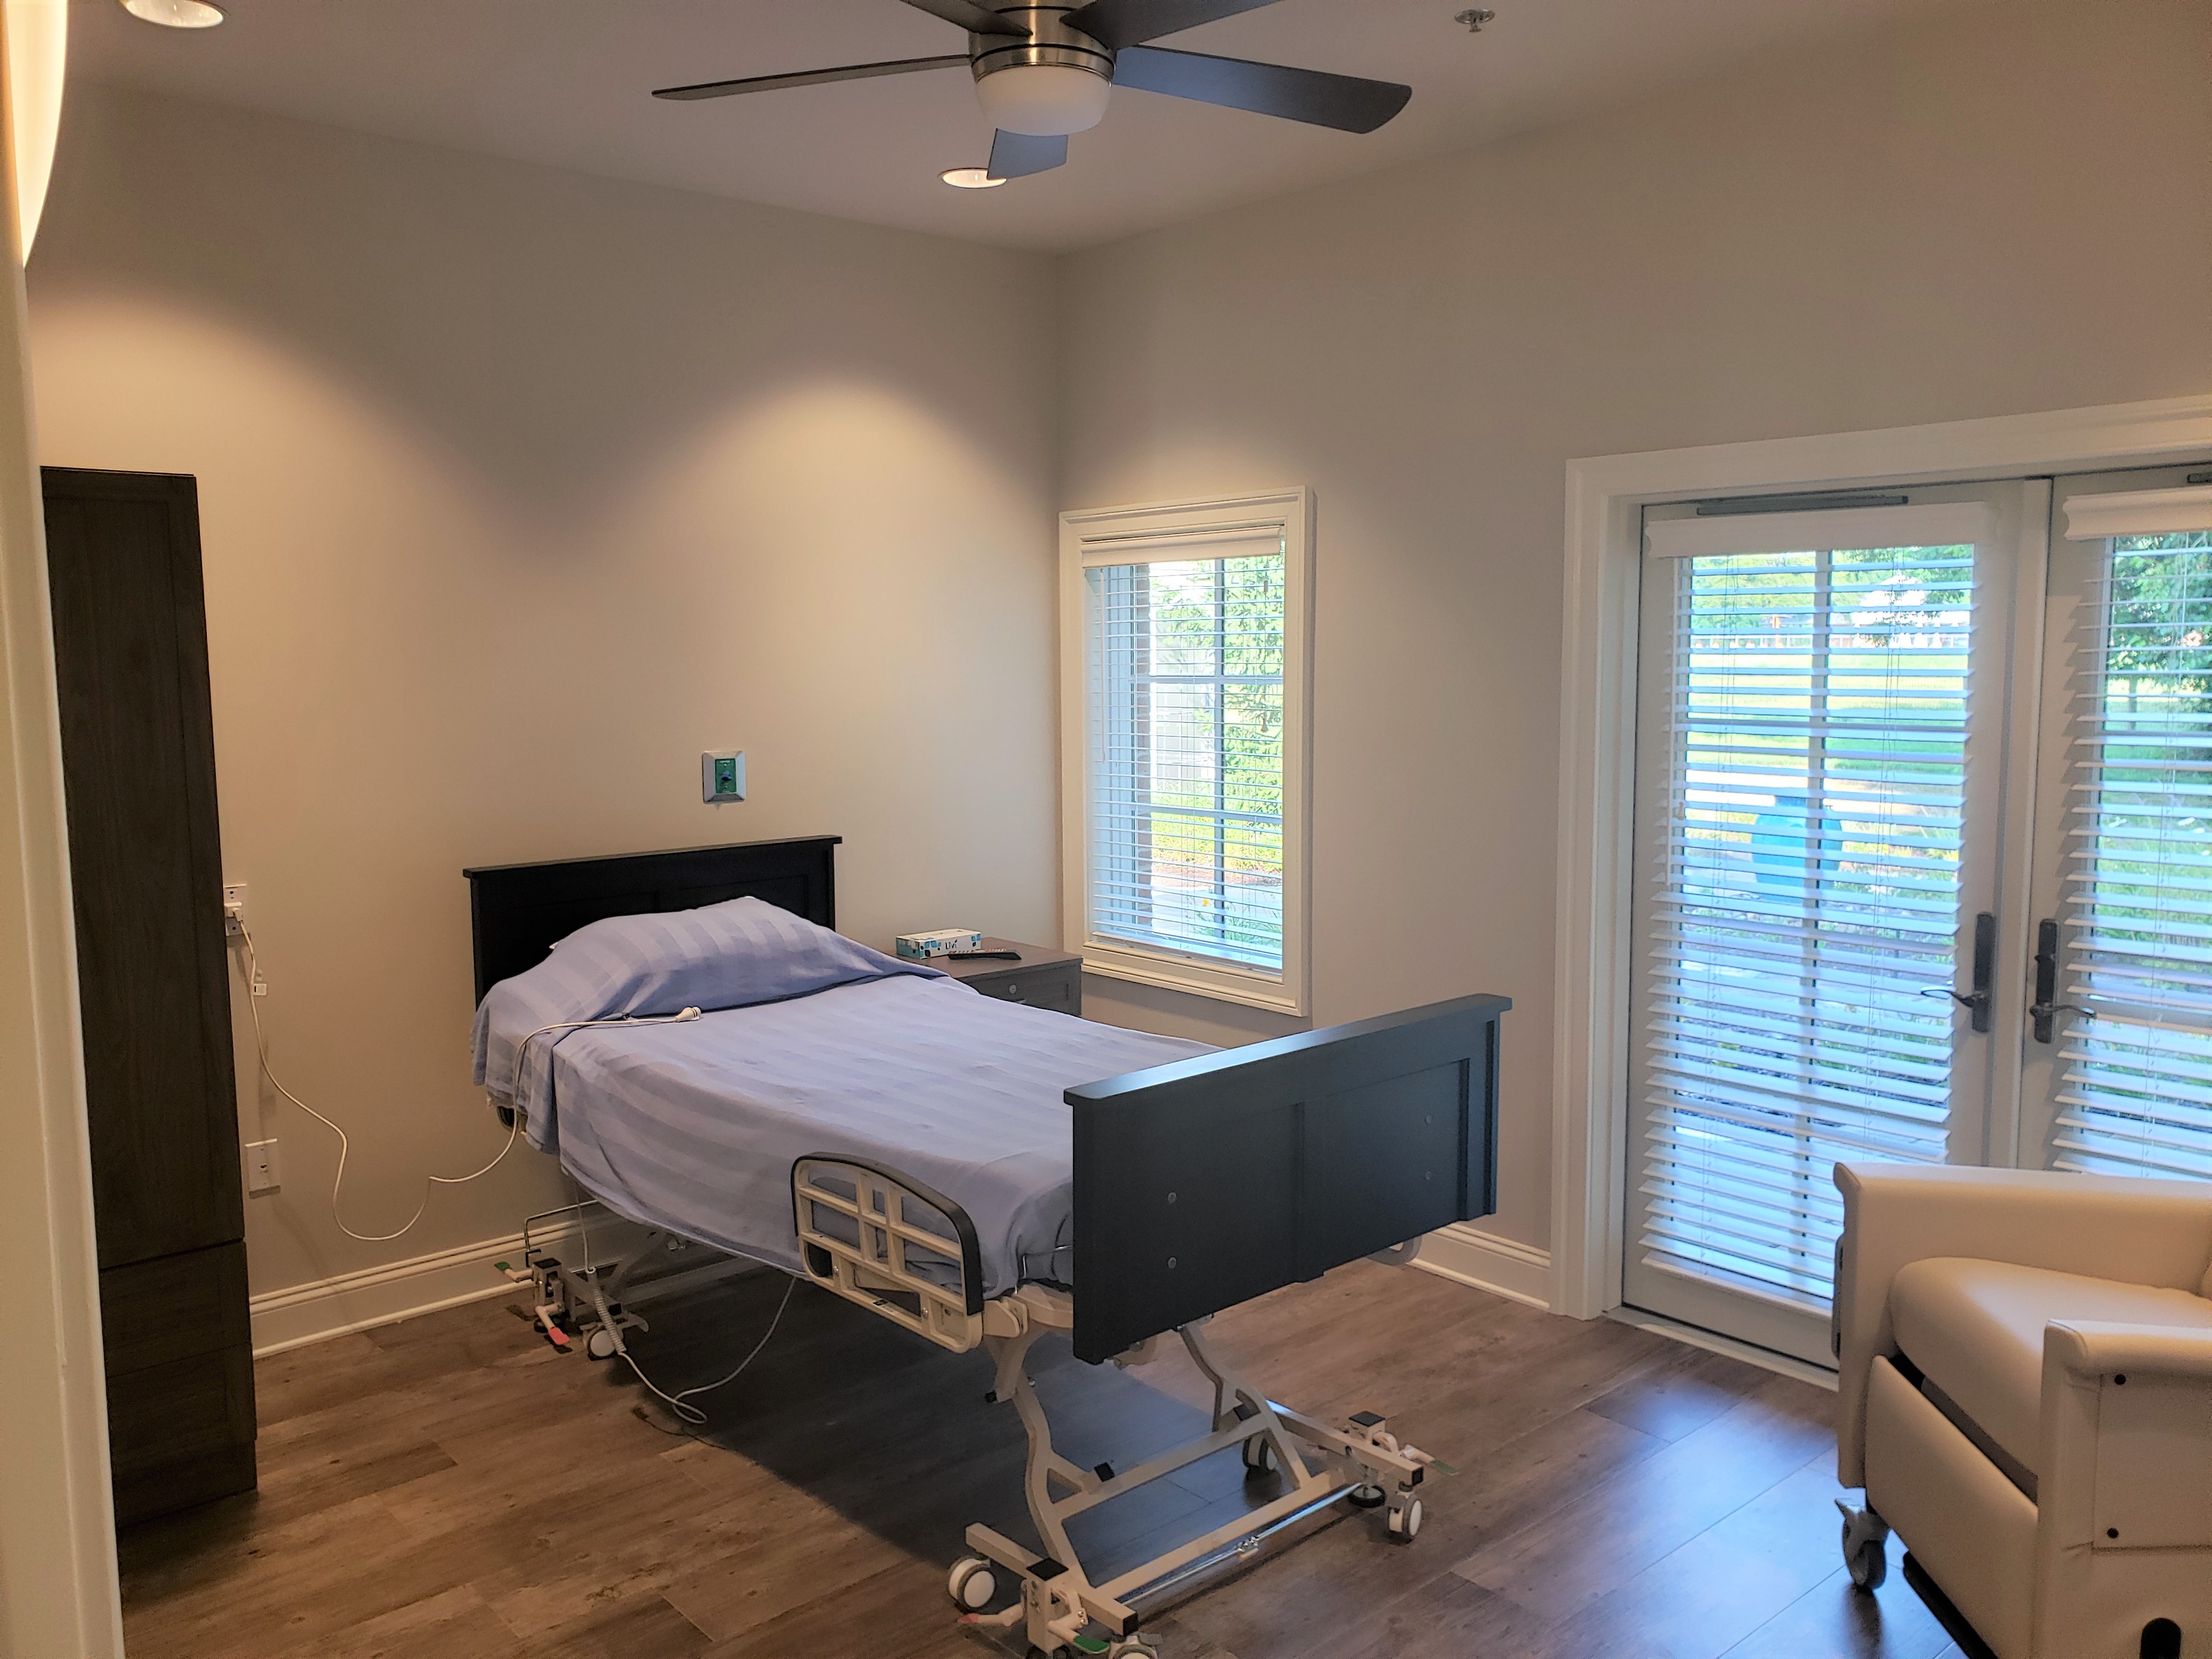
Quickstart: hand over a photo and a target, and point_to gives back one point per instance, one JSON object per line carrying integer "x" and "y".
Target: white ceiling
{"x": 565, "y": 83}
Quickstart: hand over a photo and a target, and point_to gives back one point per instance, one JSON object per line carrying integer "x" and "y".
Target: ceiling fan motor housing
{"x": 1056, "y": 82}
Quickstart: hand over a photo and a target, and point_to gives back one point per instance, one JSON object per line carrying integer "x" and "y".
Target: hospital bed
{"x": 979, "y": 1173}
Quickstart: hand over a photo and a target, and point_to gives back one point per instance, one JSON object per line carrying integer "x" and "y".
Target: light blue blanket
{"x": 730, "y": 955}
{"x": 694, "y": 1126}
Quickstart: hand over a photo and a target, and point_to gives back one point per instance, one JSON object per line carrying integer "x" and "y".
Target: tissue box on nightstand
{"x": 937, "y": 942}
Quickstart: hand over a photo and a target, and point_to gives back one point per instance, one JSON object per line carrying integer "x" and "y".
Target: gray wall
{"x": 2000, "y": 209}
{"x": 518, "y": 489}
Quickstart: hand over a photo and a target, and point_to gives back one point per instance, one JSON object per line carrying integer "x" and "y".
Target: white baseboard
{"x": 324, "y": 1308}
{"x": 1468, "y": 1255}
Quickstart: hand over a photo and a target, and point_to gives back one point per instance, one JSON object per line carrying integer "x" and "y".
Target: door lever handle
{"x": 2043, "y": 1012}
{"x": 1976, "y": 1001}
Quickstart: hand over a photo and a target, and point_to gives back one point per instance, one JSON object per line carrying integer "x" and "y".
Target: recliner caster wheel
{"x": 972, "y": 1583}
{"x": 600, "y": 1344}
{"x": 1865, "y": 1537}
{"x": 1404, "y": 1521}
{"x": 1367, "y": 1498}
{"x": 1259, "y": 1457}
{"x": 1868, "y": 1565}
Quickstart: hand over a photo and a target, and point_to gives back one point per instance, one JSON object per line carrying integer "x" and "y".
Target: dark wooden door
{"x": 138, "y": 764}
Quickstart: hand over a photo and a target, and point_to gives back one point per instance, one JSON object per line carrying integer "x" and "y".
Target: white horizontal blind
{"x": 2135, "y": 1095}
{"x": 1807, "y": 890}
{"x": 1186, "y": 763}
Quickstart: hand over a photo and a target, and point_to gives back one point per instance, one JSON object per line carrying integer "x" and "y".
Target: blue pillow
{"x": 723, "y": 956}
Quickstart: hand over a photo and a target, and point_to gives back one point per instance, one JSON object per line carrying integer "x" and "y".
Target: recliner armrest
{"x": 2125, "y": 1466}
{"x": 2141, "y": 1232}
{"x": 2087, "y": 1350}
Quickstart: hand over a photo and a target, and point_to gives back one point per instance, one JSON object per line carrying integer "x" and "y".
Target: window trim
{"x": 1605, "y": 499}
{"x": 1095, "y": 536}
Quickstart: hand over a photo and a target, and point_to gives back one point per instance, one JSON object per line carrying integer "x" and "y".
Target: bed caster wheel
{"x": 600, "y": 1344}
{"x": 972, "y": 1583}
{"x": 1367, "y": 1498}
{"x": 1866, "y": 1536}
{"x": 1259, "y": 1457}
{"x": 1403, "y": 1523}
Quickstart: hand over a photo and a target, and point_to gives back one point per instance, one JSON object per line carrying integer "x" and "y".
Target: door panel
{"x": 1821, "y": 791}
{"x": 2117, "y": 1075}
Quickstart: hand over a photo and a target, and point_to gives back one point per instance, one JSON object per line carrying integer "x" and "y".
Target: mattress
{"x": 694, "y": 1126}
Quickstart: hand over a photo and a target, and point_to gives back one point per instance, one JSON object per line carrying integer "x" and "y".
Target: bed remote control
{"x": 982, "y": 955}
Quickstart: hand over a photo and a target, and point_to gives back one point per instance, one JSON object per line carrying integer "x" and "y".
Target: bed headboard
{"x": 518, "y": 912}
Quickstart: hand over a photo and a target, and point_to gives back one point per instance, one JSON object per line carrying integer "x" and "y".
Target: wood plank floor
{"x": 451, "y": 1486}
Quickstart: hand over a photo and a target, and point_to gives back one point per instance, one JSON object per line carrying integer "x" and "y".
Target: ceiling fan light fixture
{"x": 176, "y": 13}
{"x": 1045, "y": 70}
{"x": 1044, "y": 100}
{"x": 970, "y": 178}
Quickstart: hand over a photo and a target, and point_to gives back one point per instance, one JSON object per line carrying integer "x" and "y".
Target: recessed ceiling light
{"x": 176, "y": 13}
{"x": 970, "y": 178}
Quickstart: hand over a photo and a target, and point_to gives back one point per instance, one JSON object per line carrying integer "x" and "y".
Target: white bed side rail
{"x": 893, "y": 1245}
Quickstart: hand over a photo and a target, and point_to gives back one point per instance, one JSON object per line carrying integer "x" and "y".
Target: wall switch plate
{"x": 234, "y": 908}
{"x": 261, "y": 1174}
{"x": 722, "y": 776}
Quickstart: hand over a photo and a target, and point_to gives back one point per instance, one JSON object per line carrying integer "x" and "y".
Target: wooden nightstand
{"x": 1043, "y": 978}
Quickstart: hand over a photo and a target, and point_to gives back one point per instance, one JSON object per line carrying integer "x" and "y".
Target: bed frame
{"x": 1198, "y": 1185}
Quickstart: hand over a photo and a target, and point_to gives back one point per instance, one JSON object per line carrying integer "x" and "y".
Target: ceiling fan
{"x": 1044, "y": 72}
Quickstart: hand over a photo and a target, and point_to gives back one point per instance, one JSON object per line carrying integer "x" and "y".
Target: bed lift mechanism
{"x": 908, "y": 1254}
{"x": 593, "y": 1300}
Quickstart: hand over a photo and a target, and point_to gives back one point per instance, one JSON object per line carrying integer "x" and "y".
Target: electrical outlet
{"x": 261, "y": 1175}
{"x": 234, "y": 908}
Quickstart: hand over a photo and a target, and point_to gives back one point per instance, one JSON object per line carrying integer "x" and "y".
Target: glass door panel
{"x": 1819, "y": 795}
{"x": 2118, "y": 1077}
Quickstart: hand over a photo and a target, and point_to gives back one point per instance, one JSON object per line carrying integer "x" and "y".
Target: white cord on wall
{"x": 677, "y": 1403}
{"x": 345, "y": 1146}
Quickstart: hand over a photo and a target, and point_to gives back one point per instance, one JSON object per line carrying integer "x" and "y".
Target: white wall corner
{"x": 1466, "y": 1255}
{"x": 58, "y": 1569}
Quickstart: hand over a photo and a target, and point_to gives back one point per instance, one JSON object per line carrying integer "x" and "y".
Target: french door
{"x": 1826, "y": 780}
{"x": 1923, "y": 863}
{"x": 2118, "y": 1063}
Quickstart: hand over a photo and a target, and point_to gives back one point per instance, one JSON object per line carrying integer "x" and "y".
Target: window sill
{"x": 1220, "y": 984}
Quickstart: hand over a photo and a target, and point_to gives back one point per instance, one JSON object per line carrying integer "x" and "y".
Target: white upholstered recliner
{"x": 2026, "y": 1397}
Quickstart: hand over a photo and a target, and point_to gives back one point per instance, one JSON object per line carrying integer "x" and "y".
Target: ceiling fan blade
{"x": 811, "y": 77}
{"x": 1119, "y": 23}
{"x": 1342, "y": 102}
{"x": 1017, "y": 155}
{"x": 976, "y": 20}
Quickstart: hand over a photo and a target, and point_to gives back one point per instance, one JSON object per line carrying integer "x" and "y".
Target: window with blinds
{"x": 1186, "y": 712}
{"x": 1803, "y": 891}
{"x": 2135, "y": 1091}
{"x": 1185, "y": 698}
